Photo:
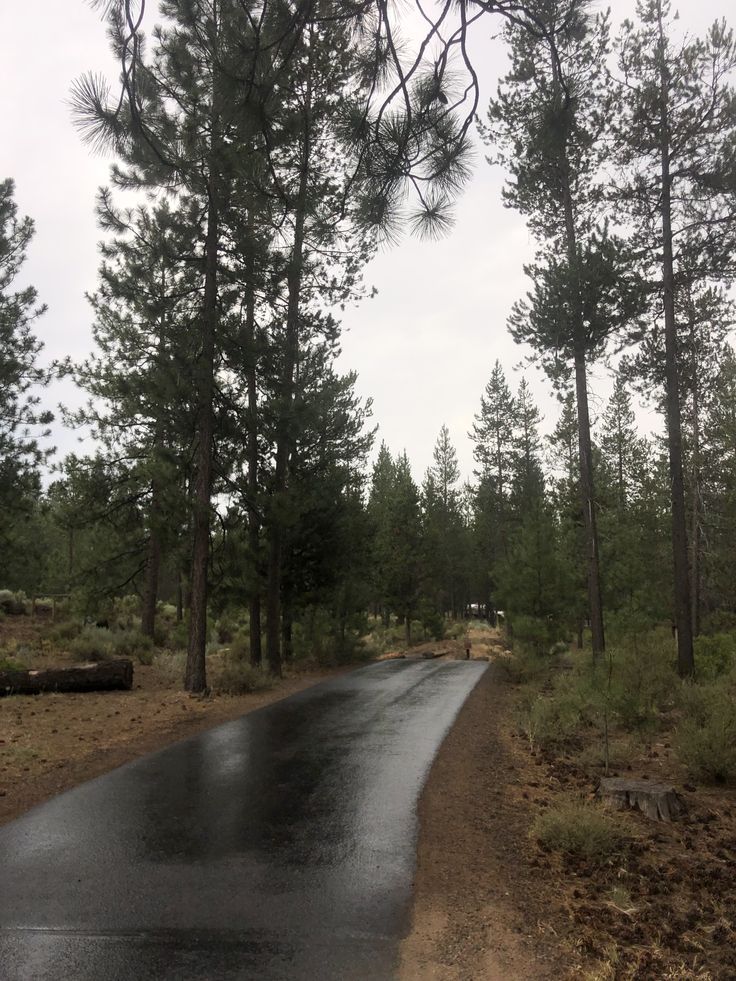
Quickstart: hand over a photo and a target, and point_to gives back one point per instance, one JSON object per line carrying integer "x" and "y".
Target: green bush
{"x": 432, "y": 623}
{"x": 132, "y": 643}
{"x": 65, "y": 631}
{"x": 179, "y": 636}
{"x": 126, "y": 611}
{"x": 706, "y": 738}
{"x": 715, "y": 655}
{"x": 721, "y": 621}
{"x": 456, "y": 630}
{"x": 239, "y": 677}
{"x": 240, "y": 646}
{"x": 225, "y": 629}
{"x": 537, "y": 633}
{"x": 526, "y": 666}
{"x": 92, "y": 644}
{"x": 556, "y": 719}
{"x": 317, "y": 637}
{"x": 8, "y": 663}
{"x": 644, "y": 682}
{"x": 380, "y": 639}
{"x": 101, "y": 644}
{"x": 12, "y": 604}
{"x": 579, "y": 829}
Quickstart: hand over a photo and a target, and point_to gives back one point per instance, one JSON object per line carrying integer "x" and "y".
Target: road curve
{"x": 277, "y": 846}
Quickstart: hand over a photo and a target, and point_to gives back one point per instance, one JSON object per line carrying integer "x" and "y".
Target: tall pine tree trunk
{"x": 285, "y": 424}
{"x": 153, "y": 565}
{"x": 254, "y": 523}
{"x": 195, "y": 679}
{"x": 587, "y": 501}
{"x": 683, "y": 621}
{"x": 587, "y": 482}
{"x": 696, "y": 536}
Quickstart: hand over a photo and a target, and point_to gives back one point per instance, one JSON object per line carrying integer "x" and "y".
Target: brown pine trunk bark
{"x": 287, "y": 628}
{"x": 254, "y": 522}
{"x": 696, "y": 537}
{"x": 683, "y": 619}
{"x": 585, "y": 455}
{"x": 285, "y": 425}
{"x": 195, "y": 679}
{"x": 153, "y": 566}
{"x": 587, "y": 501}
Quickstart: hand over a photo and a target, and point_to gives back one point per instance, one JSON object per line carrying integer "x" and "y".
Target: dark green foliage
{"x": 22, "y": 422}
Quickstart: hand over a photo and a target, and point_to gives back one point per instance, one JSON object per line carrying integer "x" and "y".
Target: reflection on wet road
{"x": 277, "y": 846}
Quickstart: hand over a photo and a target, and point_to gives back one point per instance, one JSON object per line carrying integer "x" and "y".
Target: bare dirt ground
{"x": 480, "y": 906}
{"x": 50, "y": 742}
{"x": 491, "y": 905}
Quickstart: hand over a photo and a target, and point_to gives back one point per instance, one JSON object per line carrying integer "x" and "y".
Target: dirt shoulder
{"x": 50, "y": 743}
{"x": 481, "y": 906}
{"x": 491, "y": 904}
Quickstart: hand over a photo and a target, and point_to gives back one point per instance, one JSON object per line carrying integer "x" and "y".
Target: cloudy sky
{"x": 423, "y": 347}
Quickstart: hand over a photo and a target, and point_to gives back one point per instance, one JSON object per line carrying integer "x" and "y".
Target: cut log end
{"x": 657, "y": 801}
{"x": 114, "y": 675}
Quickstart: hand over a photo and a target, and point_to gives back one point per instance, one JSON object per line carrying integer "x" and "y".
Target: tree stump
{"x": 114, "y": 675}
{"x": 656, "y": 800}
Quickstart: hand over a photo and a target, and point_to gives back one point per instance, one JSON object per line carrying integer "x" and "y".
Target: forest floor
{"x": 52, "y": 742}
{"x": 491, "y": 905}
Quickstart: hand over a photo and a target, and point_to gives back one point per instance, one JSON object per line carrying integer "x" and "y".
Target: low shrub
{"x": 557, "y": 718}
{"x": 238, "y": 677}
{"x": 320, "y": 638}
{"x": 179, "y": 636}
{"x": 580, "y": 829}
{"x": 92, "y": 644}
{"x": 132, "y": 643}
{"x": 125, "y": 611}
{"x": 12, "y": 604}
{"x": 63, "y": 632}
{"x": 171, "y": 666}
{"x": 381, "y": 639}
{"x": 715, "y": 655}
{"x": 8, "y": 663}
{"x": 225, "y": 629}
{"x": 644, "y": 682}
{"x": 706, "y": 738}
{"x": 101, "y": 644}
{"x": 537, "y": 633}
{"x": 456, "y": 630}
{"x": 721, "y": 621}
{"x": 527, "y": 666}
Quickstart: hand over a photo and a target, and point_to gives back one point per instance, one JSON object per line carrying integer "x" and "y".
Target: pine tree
{"x": 22, "y": 422}
{"x": 442, "y": 531}
{"x": 493, "y": 436}
{"x": 677, "y": 116}
{"x": 545, "y": 126}
{"x": 139, "y": 378}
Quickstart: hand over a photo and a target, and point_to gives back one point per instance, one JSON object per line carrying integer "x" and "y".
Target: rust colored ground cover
{"x": 491, "y": 904}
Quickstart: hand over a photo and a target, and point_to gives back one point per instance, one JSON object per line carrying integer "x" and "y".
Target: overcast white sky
{"x": 423, "y": 348}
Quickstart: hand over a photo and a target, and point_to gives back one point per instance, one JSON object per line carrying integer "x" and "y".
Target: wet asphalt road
{"x": 278, "y": 846}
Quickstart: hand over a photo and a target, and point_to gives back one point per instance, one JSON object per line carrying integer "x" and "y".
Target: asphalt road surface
{"x": 277, "y": 846}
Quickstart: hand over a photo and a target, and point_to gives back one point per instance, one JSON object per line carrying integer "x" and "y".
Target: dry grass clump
{"x": 239, "y": 677}
{"x": 580, "y": 829}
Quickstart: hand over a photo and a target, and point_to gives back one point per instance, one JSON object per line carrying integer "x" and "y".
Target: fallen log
{"x": 657, "y": 801}
{"x": 114, "y": 675}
